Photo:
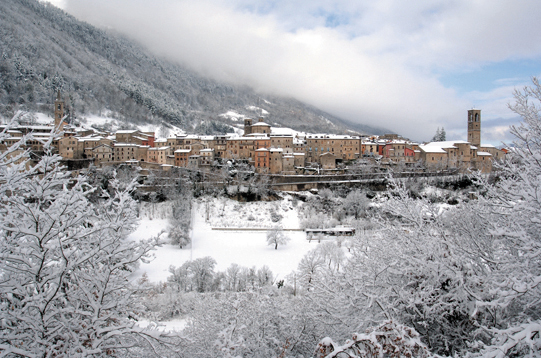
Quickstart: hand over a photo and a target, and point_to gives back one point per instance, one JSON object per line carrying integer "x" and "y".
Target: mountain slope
{"x": 43, "y": 49}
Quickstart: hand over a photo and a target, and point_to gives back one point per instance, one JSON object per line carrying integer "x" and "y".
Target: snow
{"x": 234, "y": 116}
{"x": 244, "y": 247}
{"x": 327, "y": 121}
{"x": 43, "y": 118}
{"x": 96, "y": 120}
{"x": 286, "y": 131}
{"x": 174, "y": 325}
{"x": 256, "y": 109}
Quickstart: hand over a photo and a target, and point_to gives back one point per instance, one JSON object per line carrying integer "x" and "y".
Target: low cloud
{"x": 370, "y": 63}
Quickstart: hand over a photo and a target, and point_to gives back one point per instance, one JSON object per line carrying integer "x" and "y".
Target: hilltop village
{"x": 267, "y": 149}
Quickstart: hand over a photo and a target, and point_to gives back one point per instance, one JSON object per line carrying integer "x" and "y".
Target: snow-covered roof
{"x": 257, "y": 135}
{"x": 262, "y": 150}
{"x": 101, "y": 145}
{"x": 90, "y": 139}
{"x": 285, "y": 130}
{"x": 260, "y": 124}
{"x": 438, "y": 147}
{"x": 126, "y": 145}
{"x": 432, "y": 149}
{"x": 160, "y": 148}
{"x": 331, "y": 136}
{"x": 288, "y": 135}
{"x": 38, "y": 127}
{"x": 276, "y": 150}
{"x": 183, "y": 151}
{"x": 126, "y": 131}
{"x": 207, "y": 150}
{"x": 484, "y": 154}
{"x": 487, "y": 146}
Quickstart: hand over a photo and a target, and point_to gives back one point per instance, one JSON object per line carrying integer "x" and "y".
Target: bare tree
{"x": 276, "y": 236}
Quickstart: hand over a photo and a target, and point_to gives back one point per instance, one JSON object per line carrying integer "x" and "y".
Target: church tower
{"x": 247, "y": 126}
{"x": 474, "y": 127}
{"x": 58, "y": 112}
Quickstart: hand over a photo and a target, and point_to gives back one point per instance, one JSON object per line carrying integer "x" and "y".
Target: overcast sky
{"x": 410, "y": 66}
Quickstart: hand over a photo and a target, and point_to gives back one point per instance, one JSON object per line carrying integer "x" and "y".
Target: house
{"x": 262, "y": 160}
{"x": 103, "y": 153}
{"x": 181, "y": 157}
{"x": 327, "y": 161}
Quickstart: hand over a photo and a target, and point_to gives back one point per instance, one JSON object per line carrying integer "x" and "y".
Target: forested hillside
{"x": 43, "y": 49}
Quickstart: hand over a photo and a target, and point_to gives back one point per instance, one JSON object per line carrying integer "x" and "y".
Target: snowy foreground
{"x": 245, "y": 248}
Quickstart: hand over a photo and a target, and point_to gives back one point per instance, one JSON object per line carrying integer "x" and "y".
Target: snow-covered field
{"x": 245, "y": 248}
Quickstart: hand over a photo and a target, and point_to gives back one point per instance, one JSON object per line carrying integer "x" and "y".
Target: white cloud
{"x": 374, "y": 65}
{"x": 58, "y": 3}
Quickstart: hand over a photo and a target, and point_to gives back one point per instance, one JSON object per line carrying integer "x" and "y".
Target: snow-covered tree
{"x": 310, "y": 267}
{"x": 196, "y": 275}
{"x": 180, "y": 221}
{"x": 440, "y": 135}
{"x": 356, "y": 203}
{"x": 516, "y": 223}
{"x": 65, "y": 265}
{"x": 415, "y": 270}
{"x": 276, "y": 236}
{"x": 250, "y": 325}
{"x": 387, "y": 340}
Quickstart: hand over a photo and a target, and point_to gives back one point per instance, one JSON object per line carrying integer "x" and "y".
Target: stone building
{"x": 103, "y": 153}
{"x": 343, "y": 147}
{"x": 260, "y": 127}
{"x": 284, "y": 141}
{"x": 262, "y": 160}
{"x": 159, "y": 155}
{"x": 207, "y": 156}
{"x": 276, "y": 163}
{"x": 135, "y": 137}
{"x": 181, "y": 157}
{"x": 474, "y": 127}
{"x": 327, "y": 161}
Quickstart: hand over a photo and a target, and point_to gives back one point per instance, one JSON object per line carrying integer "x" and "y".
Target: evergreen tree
{"x": 440, "y": 135}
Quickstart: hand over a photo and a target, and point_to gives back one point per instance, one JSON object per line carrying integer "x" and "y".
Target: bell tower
{"x": 58, "y": 111}
{"x": 247, "y": 126}
{"x": 474, "y": 127}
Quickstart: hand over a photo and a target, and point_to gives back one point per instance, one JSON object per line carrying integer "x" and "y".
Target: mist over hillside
{"x": 43, "y": 50}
